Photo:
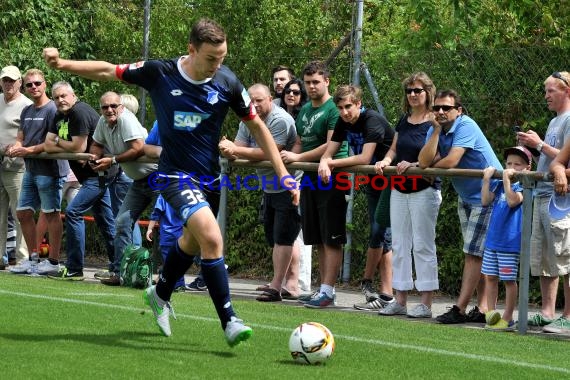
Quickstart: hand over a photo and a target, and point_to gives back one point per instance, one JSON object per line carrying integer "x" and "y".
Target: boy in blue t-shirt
{"x": 503, "y": 241}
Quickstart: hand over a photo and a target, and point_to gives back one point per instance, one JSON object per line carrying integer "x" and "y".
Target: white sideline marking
{"x": 347, "y": 337}
{"x": 95, "y": 294}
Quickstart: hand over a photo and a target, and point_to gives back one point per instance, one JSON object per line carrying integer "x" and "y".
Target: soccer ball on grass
{"x": 311, "y": 343}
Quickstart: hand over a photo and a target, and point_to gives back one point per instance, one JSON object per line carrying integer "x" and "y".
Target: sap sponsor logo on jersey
{"x": 188, "y": 121}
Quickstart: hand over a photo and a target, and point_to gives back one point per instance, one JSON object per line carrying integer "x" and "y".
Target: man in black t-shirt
{"x": 72, "y": 132}
{"x": 369, "y": 136}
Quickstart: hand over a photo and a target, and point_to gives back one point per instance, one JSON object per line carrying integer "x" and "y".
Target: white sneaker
{"x": 393, "y": 309}
{"x": 237, "y": 332}
{"x": 22, "y": 268}
{"x": 161, "y": 309}
{"x": 45, "y": 267}
{"x": 420, "y": 311}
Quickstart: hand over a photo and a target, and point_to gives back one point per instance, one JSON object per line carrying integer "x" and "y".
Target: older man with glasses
{"x": 12, "y": 102}
{"x": 456, "y": 141}
{"x": 120, "y": 135}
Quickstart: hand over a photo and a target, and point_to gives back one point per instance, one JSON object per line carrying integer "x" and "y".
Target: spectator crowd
{"x": 293, "y": 119}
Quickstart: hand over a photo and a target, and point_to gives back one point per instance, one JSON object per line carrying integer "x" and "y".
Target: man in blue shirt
{"x": 191, "y": 96}
{"x": 456, "y": 141}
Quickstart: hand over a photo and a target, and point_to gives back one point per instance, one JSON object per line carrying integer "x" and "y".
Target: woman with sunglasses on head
{"x": 415, "y": 206}
{"x": 294, "y": 96}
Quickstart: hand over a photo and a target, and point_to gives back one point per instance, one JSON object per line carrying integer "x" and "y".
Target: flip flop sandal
{"x": 269, "y": 295}
{"x": 262, "y": 288}
{"x": 286, "y": 295}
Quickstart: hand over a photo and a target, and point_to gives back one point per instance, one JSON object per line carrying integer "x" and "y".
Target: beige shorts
{"x": 549, "y": 242}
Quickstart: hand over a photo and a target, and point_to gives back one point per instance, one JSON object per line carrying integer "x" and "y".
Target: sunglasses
{"x": 34, "y": 84}
{"x": 416, "y": 91}
{"x": 294, "y": 92}
{"x": 443, "y": 108}
{"x": 557, "y": 75}
{"x": 113, "y": 106}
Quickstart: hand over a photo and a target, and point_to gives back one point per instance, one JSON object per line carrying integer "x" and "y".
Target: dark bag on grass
{"x": 136, "y": 267}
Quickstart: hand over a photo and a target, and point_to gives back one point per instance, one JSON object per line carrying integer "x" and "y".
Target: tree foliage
{"x": 496, "y": 53}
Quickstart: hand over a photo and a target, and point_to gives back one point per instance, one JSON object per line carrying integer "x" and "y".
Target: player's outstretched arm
{"x": 96, "y": 70}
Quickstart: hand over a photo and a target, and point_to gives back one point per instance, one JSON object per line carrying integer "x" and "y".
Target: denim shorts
{"x": 40, "y": 191}
{"x": 379, "y": 237}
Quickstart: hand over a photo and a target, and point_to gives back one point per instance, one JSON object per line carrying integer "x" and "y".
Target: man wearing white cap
{"x": 11, "y": 105}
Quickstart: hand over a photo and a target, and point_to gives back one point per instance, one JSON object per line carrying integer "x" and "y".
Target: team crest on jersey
{"x": 188, "y": 121}
{"x": 213, "y": 97}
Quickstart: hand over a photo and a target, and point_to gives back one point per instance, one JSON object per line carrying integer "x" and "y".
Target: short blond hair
{"x": 130, "y": 102}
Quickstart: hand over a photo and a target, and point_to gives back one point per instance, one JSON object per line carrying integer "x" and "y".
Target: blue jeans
{"x": 90, "y": 196}
{"x": 138, "y": 197}
{"x": 118, "y": 190}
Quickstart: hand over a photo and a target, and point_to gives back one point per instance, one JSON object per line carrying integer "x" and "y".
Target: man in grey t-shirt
{"x": 550, "y": 257}
{"x": 43, "y": 179}
{"x": 281, "y": 219}
{"x": 120, "y": 135}
{"x": 12, "y": 102}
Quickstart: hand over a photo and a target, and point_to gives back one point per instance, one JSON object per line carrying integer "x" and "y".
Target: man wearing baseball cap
{"x": 503, "y": 241}
{"x": 11, "y": 105}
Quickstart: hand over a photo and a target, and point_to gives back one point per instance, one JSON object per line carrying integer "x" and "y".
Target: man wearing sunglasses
{"x": 12, "y": 102}
{"x": 72, "y": 132}
{"x": 43, "y": 179}
{"x": 121, "y": 135}
{"x": 456, "y": 141}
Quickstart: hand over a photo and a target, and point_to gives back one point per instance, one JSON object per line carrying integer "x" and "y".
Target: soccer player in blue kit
{"x": 191, "y": 96}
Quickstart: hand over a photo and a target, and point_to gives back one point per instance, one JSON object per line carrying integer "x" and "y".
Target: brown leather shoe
{"x": 12, "y": 261}
{"x": 113, "y": 280}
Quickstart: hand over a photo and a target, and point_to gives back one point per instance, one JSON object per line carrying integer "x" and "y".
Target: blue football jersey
{"x": 190, "y": 113}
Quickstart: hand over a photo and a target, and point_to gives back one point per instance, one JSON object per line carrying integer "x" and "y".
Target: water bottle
{"x": 44, "y": 248}
{"x": 34, "y": 259}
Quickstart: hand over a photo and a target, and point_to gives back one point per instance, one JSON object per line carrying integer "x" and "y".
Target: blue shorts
{"x": 187, "y": 194}
{"x": 40, "y": 191}
{"x": 504, "y": 265}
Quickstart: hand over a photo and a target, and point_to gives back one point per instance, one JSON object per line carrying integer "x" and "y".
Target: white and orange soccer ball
{"x": 311, "y": 343}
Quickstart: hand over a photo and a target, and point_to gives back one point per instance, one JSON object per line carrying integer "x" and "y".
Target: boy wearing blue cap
{"x": 502, "y": 245}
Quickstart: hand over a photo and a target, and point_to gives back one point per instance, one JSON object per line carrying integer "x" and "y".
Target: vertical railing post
{"x": 222, "y": 210}
{"x": 529, "y": 184}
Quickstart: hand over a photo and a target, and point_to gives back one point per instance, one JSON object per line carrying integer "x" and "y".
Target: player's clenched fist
{"x": 51, "y": 56}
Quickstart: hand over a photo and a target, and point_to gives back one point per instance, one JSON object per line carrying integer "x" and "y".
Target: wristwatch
{"x": 114, "y": 160}
{"x": 539, "y": 146}
{"x": 56, "y": 140}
